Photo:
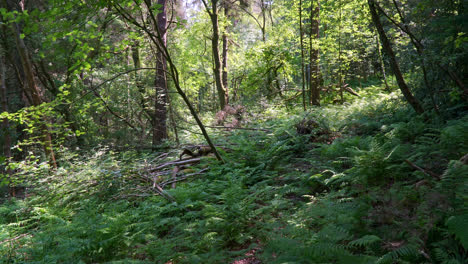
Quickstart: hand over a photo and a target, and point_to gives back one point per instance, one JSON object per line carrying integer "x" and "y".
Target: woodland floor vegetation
{"x": 234, "y": 131}
{"x": 364, "y": 183}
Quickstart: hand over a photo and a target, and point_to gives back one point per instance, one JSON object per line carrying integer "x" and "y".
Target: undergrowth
{"x": 368, "y": 183}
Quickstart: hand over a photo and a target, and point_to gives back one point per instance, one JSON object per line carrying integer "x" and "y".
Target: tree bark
{"x": 413, "y": 101}
{"x": 340, "y": 71}
{"x": 225, "y": 55}
{"x": 382, "y": 65}
{"x": 30, "y": 85}
{"x": 4, "y": 104}
{"x": 213, "y": 13}
{"x": 160, "y": 83}
{"x": 301, "y": 32}
{"x": 314, "y": 78}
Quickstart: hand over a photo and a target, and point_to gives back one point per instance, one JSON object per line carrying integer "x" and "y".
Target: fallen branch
{"x": 161, "y": 192}
{"x": 179, "y": 162}
{"x": 350, "y": 90}
{"x": 162, "y": 156}
{"x": 243, "y": 128}
{"x": 425, "y": 171}
{"x": 13, "y": 239}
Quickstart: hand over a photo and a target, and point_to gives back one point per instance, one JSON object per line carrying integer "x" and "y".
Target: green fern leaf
{"x": 457, "y": 226}
{"x": 365, "y": 241}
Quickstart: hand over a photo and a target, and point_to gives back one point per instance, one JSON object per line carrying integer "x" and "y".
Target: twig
{"x": 14, "y": 238}
{"x": 427, "y": 172}
{"x": 94, "y": 88}
{"x": 180, "y": 162}
{"x": 162, "y": 156}
{"x": 243, "y": 128}
{"x": 161, "y": 192}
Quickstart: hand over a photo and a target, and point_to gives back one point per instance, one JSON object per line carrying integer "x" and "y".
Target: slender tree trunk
{"x": 413, "y": 101}
{"x": 33, "y": 90}
{"x": 314, "y": 81}
{"x": 263, "y": 27}
{"x": 340, "y": 75}
{"x": 301, "y": 32}
{"x": 160, "y": 83}
{"x": 173, "y": 122}
{"x": 225, "y": 55}
{"x": 141, "y": 88}
{"x": 417, "y": 45}
{"x": 157, "y": 40}
{"x": 217, "y": 70}
{"x": 4, "y": 104}
{"x": 382, "y": 64}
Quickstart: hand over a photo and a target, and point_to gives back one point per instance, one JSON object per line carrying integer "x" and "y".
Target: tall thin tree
{"x": 314, "y": 72}
{"x": 413, "y": 101}
{"x": 160, "y": 83}
{"x": 301, "y": 32}
{"x": 213, "y": 12}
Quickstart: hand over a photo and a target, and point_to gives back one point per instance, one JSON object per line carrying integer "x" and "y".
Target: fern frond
{"x": 365, "y": 241}
{"x": 458, "y": 226}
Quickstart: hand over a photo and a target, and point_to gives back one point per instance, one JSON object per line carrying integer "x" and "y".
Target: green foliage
{"x": 367, "y": 181}
{"x": 354, "y": 200}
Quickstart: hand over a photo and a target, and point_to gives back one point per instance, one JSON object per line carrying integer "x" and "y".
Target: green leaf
{"x": 457, "y": 226}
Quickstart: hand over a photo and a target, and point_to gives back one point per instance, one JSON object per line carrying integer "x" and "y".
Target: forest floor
{"x": 363, "y": 182}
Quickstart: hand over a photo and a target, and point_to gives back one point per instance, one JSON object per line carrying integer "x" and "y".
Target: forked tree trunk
{"x": 413, "y": 101}
{"x": 217, "y": 70}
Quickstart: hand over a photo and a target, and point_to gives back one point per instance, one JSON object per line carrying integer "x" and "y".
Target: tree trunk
{"x": 160, "y": 99}
{"x": 225, "y": 56}
{"x": 157, "y": 40}
{"x": 30, "y": 85}
{"x": 413, "y": 101}
{"x": 340, "y": 75}
{"x": 4, "y": 104}
{"x": 314, "y": 79}
{"x": 217, "y": 70}
{"x": 301, "y": 32}
{"x": 263, "y": 27}
{"x": 382, "y": 65}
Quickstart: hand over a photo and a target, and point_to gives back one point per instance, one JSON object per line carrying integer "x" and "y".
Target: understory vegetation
{"x": 234, "y": 131}
{"x": 364, "y": 182}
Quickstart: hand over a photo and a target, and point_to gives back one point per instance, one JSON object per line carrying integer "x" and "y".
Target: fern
{"x": 365, "y": 241}
{"x": 458, "y": 226}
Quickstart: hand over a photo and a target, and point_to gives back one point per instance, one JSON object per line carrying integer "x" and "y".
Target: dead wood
{"x": 242, "y": 128}
{"x": 179, "y": 162}
{"x": 161, "y": 192}
{"x": 425, "y": 171}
